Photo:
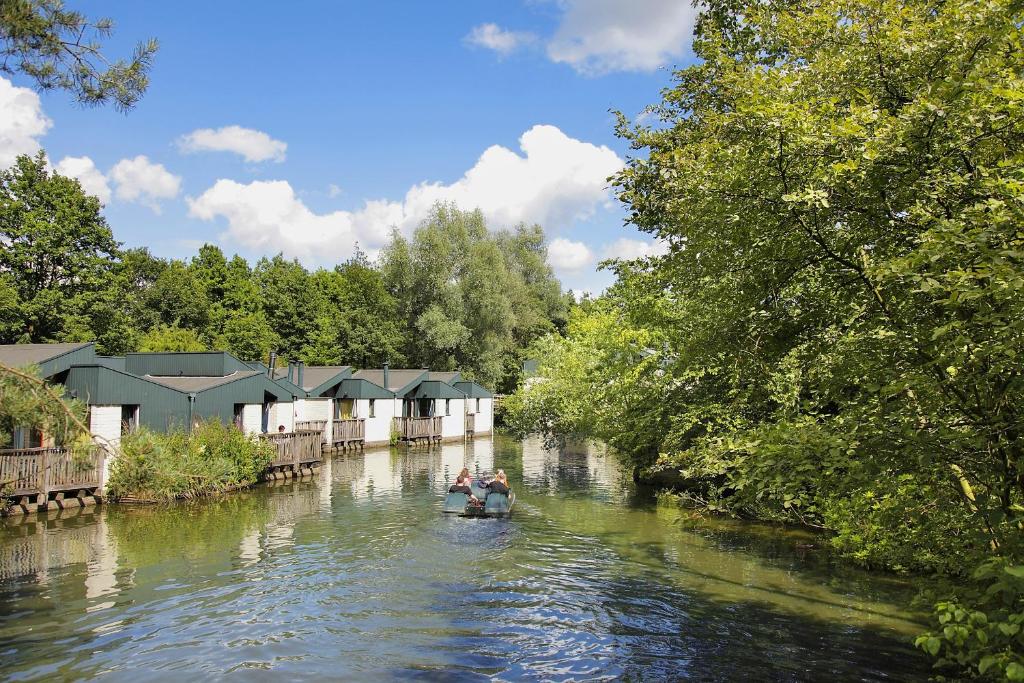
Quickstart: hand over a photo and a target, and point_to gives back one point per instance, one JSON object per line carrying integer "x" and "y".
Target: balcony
{"x": 413, "y": 429}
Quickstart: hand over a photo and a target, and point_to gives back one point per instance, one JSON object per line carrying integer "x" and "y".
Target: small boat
{"x": 495, "y": 504}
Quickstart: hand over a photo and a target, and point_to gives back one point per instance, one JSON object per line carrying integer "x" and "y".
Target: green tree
{"x": 470, "y": 299}
{"x": 60, "y": 48}
{"x": 56, "y": 251}
{"x": 839, "y": 314}
{"x": 171, "y": 338}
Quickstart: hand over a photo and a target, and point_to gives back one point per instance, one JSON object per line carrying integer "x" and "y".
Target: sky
{"x": 308, "y": 129}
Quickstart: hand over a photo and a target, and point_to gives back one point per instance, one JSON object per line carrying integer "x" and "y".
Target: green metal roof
{"x": 362, "y": 388}
{"x": 317, "y": 380}
{"x": 52, "y": 359}
{"x": 434, "y": 389}
{"x": 446, "y": 377}
{"x": 473, "y": 390}
{"x": 399, "y": 381}
{"x": 185, "y": 363}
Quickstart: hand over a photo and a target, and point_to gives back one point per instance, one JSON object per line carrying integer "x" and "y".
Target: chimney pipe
{"x": 271, "y": 364}
{"x": 385, "y": 375}
{"x": 298, "y": 373}
{"x": 291, "y": 372}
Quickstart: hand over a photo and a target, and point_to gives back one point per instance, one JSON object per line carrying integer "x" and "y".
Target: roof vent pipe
{"x": 298, "y": 373}
{"x": 271, "y": 363}
{"x": 291, "y": 372}
{"x": 386, "y": 384}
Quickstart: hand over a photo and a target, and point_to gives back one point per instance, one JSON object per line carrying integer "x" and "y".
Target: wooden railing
{"x": 34, "y": 471}
{"x": 301, "y": 447}
{"x": 470, "y": 423}
{"x": 347, "y": 431}
{"x": 414, "y": 428}
{"x": 310, "y": 425}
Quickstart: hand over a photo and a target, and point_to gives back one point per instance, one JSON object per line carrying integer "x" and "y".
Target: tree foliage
{"x": 61, "y": 48}
{"x": 834, "y": 337}
{"x": 472, "y": 299}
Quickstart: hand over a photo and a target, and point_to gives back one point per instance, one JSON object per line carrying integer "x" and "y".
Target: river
{"x": 357, "y": 575}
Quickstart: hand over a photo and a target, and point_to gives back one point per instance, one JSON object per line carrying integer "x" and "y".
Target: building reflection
{"x": 51, "y": 544}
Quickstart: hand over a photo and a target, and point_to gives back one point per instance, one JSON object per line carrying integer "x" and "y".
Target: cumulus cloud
{"x": 599, "y": 36}
{"x": 253, "y": 145}
{"x": 628, "y": 249}
{"x": 140, "y": 180}
{"x": 269, "y": 216}
{"x": 554, "y": 181}
{"x": 22, "y": 122}
{"x": 91, "y": 178}
{"x": 569, "y": 256}
{"x": 493, "y": 37}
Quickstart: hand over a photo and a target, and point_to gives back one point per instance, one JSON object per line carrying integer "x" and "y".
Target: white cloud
{"x": 333, "y": 190}
{"x": 251, "y": 144}
{"x": 22, "y": 121}
{"x": 493, "y": 37}
{"x": 599, "y": 36}
{"x": 569, "y": 256}
{"x": 92, "y": 179}
{"x": 555, "y": 181}
{"x": 141, "y": 180}
{"x": 629, "y": 249}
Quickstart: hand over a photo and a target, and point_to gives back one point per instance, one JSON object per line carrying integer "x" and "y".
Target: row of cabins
{"x": 163, "y": 391}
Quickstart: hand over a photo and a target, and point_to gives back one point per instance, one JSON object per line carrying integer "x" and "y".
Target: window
{"x": 447, "y": 406}
{"x": 239, "y": 413}
{"x": 373, "y": 407}
{"x": 478, "y": 405}
{"x": 129, "y": 418}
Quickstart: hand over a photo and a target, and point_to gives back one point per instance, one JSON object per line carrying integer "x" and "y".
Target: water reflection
{"x": 356, "y": 574}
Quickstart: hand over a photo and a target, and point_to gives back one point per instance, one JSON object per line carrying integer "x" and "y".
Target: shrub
{"x": 213, "y": 458}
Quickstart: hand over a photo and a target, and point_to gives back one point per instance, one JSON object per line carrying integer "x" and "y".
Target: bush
{"x": 213, "y": 458}
{"x": 982, "y": 632}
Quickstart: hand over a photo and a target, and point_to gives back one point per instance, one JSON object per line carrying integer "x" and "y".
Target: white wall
{"x": 378, "y": 428}
{"x": 454, "y": 425}
{"x": 105, "y": 425}
{"x": 252, "y": 418}
{"x": 282, "y": 414}
{"x": 484, "y": 418}
{"x": 314, "y": 409}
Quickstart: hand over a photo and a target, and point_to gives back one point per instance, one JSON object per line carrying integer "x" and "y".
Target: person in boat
{"x": 466, "y": 476}
{"x": 499, "y": 484}
{"x": 460, "y": 486}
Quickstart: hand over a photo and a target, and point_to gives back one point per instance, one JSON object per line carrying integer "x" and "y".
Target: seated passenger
{"x": 466, "y": 476}
{"x": 460, "y": 487}
{"x": 499, "y": 484}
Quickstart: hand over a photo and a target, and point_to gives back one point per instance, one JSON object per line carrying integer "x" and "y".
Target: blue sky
{"x": 502, "y": 105}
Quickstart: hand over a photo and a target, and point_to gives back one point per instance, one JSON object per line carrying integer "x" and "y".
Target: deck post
{"x": 44, "y": 472}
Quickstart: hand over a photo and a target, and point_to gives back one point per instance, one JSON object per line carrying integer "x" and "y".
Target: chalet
{"x": 479, "y": 407}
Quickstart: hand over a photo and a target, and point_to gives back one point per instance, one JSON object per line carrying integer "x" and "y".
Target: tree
{"x": 470, "y": 299}
{"x": 60, "y": 48}
{"x": 178, "y": 298}
{"x": 171, "y": 338}
{"x": 56, "y": 250}
{"x": 840, "y": 310}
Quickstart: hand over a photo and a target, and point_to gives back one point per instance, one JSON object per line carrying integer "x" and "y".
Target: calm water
{"x": 358, "y": 575}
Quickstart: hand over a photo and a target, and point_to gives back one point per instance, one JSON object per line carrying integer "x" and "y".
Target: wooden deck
{"x": 298, "y": 453}
{"x": 348, "y": 433}
{"x": 416, "y": 429}
{"x": 42, "y": 478}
